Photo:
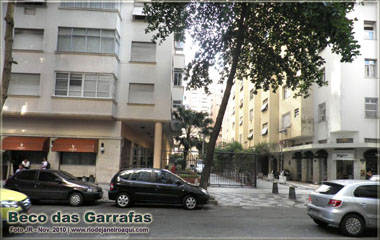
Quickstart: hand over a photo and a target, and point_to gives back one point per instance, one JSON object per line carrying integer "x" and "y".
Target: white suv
{"x": 350, "y": 205}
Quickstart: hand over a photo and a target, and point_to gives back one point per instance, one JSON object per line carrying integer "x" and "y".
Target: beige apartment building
{"x": 91, "y": 91}
{"x": 332, "y": 134}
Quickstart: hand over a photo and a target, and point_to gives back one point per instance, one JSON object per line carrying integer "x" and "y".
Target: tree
{"x": 193, "y": 124}
{"x": 8, "y": 60}
{"x": 271, "y": 44}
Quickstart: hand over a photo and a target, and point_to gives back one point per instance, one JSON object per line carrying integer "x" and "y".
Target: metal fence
{"x": 228, "y": 168}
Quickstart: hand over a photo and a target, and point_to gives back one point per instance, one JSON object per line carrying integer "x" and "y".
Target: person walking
{"x": 45, "y": 164}
{"x": 26, "y": 163}
{"x": 174, "y": 168}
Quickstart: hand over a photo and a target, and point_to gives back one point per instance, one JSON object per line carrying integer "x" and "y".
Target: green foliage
{"x": 303, "y": 28}
{"x": 193, "y": 124}
{"x": 229, "y": 147}
{"x": 176, "y": 158}
{"x": 262, "y": 149}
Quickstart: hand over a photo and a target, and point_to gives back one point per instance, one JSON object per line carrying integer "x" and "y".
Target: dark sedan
{"x": 155, "y": 186}
{"x": 53, "y": 185}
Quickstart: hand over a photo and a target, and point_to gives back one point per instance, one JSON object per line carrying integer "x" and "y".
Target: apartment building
{"x": 91, "y": 91}
{"x": 334, "y": 133}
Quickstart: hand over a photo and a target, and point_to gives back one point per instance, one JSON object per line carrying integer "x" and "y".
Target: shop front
{"x": 18, "y": 148}
{"x": 344, "y": 163}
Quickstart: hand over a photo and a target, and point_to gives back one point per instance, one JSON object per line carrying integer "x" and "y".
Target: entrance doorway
{"x": 371, "y": 161}
{"x": 344, "y": 169}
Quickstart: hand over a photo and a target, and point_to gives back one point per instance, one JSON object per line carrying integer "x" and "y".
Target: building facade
{"x": 91, "y": 91}
{"x": 334, "y": 133}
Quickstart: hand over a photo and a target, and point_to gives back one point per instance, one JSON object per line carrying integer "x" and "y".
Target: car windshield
{"x": 67, "y": 175}
{"x": 176, "y": 176}
{"x": 329, "y": 188}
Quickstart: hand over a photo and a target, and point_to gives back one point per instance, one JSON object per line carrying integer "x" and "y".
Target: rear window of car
{"x": 329, "y": 188}
{"x": 26, "y": 175}
{"x": 126, "y": 174}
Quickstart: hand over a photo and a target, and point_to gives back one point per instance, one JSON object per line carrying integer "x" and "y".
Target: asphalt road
{"x": 209, "y": 222}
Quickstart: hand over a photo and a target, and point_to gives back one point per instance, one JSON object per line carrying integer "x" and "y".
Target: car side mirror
{"x": 58, "y": 180}
{"x": 178, "y": 183}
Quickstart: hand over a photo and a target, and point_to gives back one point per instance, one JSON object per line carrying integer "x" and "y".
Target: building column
{"x": 317, "y": 171}
{"x": 157, "y": 145}
{"x": 304, "y": 169}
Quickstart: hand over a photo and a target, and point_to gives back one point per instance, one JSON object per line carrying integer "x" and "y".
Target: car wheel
{"x": 352, "y": 225}
{"x": 320, "y": 223}
{"x": 189, "y": 202}
{"x": 76, "y": 199}
{"x": 123, "y": 200}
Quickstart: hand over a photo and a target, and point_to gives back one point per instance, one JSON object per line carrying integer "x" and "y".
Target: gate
{"x": 234, "y": 169}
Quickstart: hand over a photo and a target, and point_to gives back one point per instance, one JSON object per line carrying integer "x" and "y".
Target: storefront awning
{"x": 26, "y": 144}
{"x": 75, "y": 145}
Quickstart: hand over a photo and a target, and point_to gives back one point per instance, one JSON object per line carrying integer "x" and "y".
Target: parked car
{"x": 350, "y": 205}
{"x": 53, "y": 185}
{"x": 375, "y": 178}
{"x": 147, "y": 185}
{"x": 12, "y": 201}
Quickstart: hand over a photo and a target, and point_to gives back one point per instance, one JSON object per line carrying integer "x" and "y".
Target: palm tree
{"x": 193, "y": 124}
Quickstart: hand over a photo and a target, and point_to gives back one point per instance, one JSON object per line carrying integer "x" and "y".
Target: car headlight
{"x": 204, "y": 191}
{"x": 90, "y": 189}
{"x": 9, "y": 204}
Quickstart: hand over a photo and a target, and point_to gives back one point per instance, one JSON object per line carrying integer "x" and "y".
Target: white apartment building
{"x": 90, "y": 90}
{"x": 346, "y": 141}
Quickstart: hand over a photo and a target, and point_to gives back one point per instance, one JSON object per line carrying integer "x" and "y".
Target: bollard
{"x": 275, "y": 187}
{"x": 292, "y": 192}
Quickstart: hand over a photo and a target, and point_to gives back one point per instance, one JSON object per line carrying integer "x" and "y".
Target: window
{"x": 84, "y": 85}
{"x": 141, "y": 93}
{"x": 177, "y": 77}
{"x": 251, "y": 114}
{"x": 179, "y": 45}
{"x": 24, "y": 84}
{"x": 371, "y": 107}
{"x": 126, "y": 174}
{"x": 264, "y": 107}
{"x": 164, "y": 177}
{"x": 177, "y": 104}
{"x": 241, "y": 103}
{"x": 367, "y": 191}
{"x": 26, "y": 175}
{"x": 233, "y": 125}
{"x": 241, "y": 87}
{"x": 264, "y": 130}
{"x": 329, "y": 188}
{"x": 75, "y": 158}
{"x": 322, "y": 112}
{"x": 88, "y": 40}
{"x": 370, "y": 68}
{"x": 296, "y": 112}
{"x": 142, "y": 176}
{"x": 28, "y": 39}
{"x": 138, "y": 11}
{"x": 240, "y": 138}
{"x": 143, "y": 52}
{"x": 286, "y": 92}
{"x": 233, "y": 97}
{"x": 233, "y": 110}
{"x": 99, "y": 4}
{"x": 344, "y": 140}
{"x": 285, "y": 120}
{"x": 372, "y": 140}
{"x": 250, "y": 135}
{"x": 241, "y": 120}
{"x": 251, "y": 94}
{"x": 369, "y": 30}
{"x": 46, "y": 177}
{"x": 323, "y": 141}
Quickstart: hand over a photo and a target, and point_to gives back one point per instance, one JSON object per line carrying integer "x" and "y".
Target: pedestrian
{"x": 369, "y": 174}
{"x": 174, "y": 168}
{"x": 45, "y": 164}
{"x": 20, "y": 168}
{"x": 26, "y": 163}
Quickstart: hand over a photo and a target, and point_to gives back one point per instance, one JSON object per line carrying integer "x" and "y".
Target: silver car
{"x": 350, "y": 205}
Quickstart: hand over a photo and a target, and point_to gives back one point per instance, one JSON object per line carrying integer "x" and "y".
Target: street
{"x": 208, "y": 222}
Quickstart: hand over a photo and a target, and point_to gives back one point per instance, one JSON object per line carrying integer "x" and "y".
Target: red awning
{"x": 26, "y": 143}
{"x": 75, "y": 145}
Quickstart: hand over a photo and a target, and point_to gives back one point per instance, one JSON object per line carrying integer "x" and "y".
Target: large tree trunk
{"x": 215, "y": 133}
{"x": 8, "y": 60}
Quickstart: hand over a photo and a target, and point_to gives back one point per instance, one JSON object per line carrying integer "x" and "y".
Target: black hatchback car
{"x": 53, "y": 185}
{"x": 149, "y": 185}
